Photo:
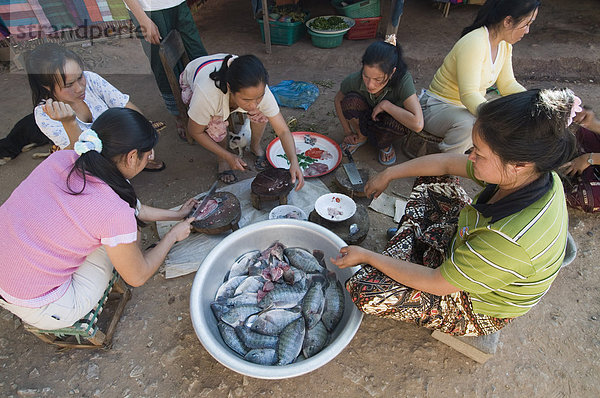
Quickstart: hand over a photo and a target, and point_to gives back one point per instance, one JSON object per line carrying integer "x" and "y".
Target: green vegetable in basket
{"x": 328, "y": 23}
{"x": 291, "y": 12}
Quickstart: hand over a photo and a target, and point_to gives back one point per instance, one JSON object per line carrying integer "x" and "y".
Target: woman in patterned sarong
{"x": 469, "y": 269}
{"x": 583, "y": 188}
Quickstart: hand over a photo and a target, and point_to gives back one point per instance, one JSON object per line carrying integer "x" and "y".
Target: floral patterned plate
{"x": 317, "y": 154}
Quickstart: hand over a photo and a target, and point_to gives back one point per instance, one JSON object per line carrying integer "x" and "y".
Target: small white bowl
{"x": 287, "y": 211}
{"x": 335, "y": 207}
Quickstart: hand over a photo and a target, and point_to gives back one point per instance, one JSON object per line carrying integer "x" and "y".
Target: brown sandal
{"x": 158, "y": 126}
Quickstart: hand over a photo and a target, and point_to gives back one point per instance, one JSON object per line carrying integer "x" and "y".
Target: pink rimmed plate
{"x": 317, "y": 154}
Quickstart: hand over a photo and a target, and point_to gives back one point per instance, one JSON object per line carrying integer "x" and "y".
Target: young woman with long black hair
{"x": 379, "y": 103}
{"x": 67, "y": 99}
{"x": 75, "y": 217}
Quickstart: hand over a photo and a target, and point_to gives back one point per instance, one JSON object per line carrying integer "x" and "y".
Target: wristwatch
{"x": 590, "y": 160}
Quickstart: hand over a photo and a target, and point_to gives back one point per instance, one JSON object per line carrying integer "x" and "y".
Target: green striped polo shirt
{"x": 508, "y": 265}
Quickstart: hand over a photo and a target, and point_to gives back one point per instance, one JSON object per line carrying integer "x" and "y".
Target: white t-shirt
{"x": 157, "y": 5}
{"x": 99, "y": 96}
{"x": 208, "y": 100}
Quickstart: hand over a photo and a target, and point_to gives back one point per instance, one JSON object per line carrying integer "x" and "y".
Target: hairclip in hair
{"x": 88, "y": 141}
{"x": 230, "y": 60}
{"x": 575, "y": 109}
{"x": 542, "y": 105}
{"x": 391, "y": 39}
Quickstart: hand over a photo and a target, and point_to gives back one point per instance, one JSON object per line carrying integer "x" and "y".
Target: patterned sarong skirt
{"x": 381, "y": 133}
{"x": 424, "y": 233}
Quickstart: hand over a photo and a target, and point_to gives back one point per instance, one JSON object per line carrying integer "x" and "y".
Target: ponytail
{"x": 239, "y": 73}
{"x": 120, "y": 130}
{"x": 220, "y": 76}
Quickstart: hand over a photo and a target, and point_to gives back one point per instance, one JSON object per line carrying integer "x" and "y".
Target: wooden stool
{"x": 342, "y": 228}
{"x": 343, "y": 182}
{"x": 86, "y": 331}
{"x": 478, "y": 348}
{"x": 271, "y": 185}
{"x": 225, "y": 218}
{"x": 420, "y": 144}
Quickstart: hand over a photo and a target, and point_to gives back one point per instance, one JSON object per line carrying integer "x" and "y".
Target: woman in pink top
{"x": 75, "y": 217}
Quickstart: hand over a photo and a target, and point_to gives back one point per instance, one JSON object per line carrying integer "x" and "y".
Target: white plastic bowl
{"x": 335, "y": 207}
{"x": 349, "y": 21}
{"x": 259, "y": 236}
{"x": 287, "y": 212}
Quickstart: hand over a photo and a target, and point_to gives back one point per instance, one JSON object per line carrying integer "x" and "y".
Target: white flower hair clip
{"x": 88, "y": 141}
{"x": 575, "y": 109}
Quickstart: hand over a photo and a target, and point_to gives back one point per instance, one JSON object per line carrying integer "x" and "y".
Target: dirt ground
{"x": 553, "y": 351}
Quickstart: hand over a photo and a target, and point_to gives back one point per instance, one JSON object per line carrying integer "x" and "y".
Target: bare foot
{"x": 226, "y": 175}
{"x": 387, "y": 155}
{"x": 258, "y": 151}
{"x": 181, "y": 130}
{"x": 354, "y": 139}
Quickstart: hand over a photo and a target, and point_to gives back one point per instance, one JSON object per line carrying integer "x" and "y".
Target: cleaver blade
{"x": 351, "y": 170}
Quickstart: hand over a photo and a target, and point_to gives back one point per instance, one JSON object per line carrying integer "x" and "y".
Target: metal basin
{"x": 259, "y": 236}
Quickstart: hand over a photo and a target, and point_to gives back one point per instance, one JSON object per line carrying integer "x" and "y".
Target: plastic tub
{"x": 364, "y": 28}
{"x": 291, "y": 233}
{"x": 283, "y": 33}
{"x": 363, "y": 9}
{"x": 323, "y": 40}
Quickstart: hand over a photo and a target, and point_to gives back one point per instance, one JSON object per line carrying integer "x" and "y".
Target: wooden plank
{"x": 267, "y": 28}
{"x": 479, "y": 349}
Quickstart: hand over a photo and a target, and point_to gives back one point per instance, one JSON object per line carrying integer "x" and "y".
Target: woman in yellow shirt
{"x": 481, "y": 58}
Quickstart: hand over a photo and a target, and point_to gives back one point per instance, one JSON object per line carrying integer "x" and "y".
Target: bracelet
{"x": 590, "y": 160}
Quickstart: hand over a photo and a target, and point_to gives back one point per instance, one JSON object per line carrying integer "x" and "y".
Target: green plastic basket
{"x": 283, "y": 33}
{"x": 323, "y": 40}
{"x": 362, "y": 9}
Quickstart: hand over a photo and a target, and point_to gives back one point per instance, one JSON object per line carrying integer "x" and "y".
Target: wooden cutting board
{"x": 271, "y": 184}
{"x": 225, "y": 218}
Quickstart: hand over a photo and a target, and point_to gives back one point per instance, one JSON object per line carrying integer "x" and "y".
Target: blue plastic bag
{"x": 295, "y": 94}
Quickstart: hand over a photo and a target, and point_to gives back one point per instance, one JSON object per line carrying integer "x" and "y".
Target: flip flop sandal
{"x": 261, "y": 163}
{"x": 222, "y": 174}
{"x": 352, "y": 147}
{"x": 388, "y": 162}
{"x": 41, "y": 155}
{"x": 158, "y": 126}
{"x": 161, "y": 168}
{"x": 29, "y": 147}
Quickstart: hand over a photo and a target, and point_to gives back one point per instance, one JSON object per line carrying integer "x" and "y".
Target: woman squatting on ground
{"x": 379, "y": 103}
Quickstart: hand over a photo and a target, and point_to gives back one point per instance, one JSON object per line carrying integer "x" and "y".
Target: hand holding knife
{"x": 210, "y": 192}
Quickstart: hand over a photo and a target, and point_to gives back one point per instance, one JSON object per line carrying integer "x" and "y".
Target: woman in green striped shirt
{"x": 509, "y": 243}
